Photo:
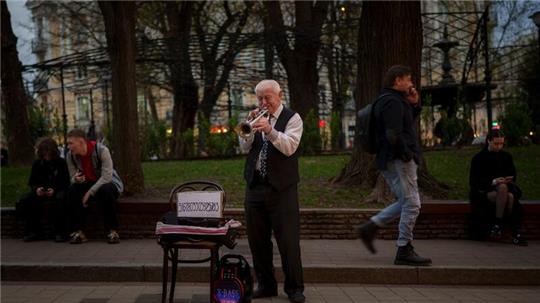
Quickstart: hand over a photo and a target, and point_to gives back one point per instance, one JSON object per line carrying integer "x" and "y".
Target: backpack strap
{"x": 377, "y": 100}
{"x": 380, "y": 97}
{"x": 98, "y": 155}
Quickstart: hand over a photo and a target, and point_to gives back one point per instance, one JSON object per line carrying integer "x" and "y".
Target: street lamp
{"x": 536, "y": 19}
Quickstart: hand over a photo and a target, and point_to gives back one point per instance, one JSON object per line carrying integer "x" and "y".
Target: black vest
{"x": 282, "y": 169}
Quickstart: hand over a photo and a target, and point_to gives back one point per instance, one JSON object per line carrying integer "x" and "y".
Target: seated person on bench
{"x": 93, "y": 180}
{"x": 494, "y": 194}
{"x": 49, "y": 180}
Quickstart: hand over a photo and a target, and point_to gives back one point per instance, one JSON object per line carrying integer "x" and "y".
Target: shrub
{"x": 223, "y": 144}
{"x": 154, "y": 139}
{"x": 453, "y": 130}
{"x": 516, "y": 123}
{"x": 335, "y": 130}
{"x": 311, "y": 137}
{"x": 38, "y": 122}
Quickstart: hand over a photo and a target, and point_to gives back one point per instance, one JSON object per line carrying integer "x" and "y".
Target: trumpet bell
{"x": 245, "y": 129}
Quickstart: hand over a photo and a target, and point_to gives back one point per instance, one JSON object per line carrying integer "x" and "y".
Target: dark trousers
{"x": 106, "y": 198}
{"x": 268, "y": 210}
{"x": 32, "y": 208}
{"x": 482, "y": 217}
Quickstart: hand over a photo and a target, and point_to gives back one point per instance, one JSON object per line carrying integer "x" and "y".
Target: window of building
{"x": 83, "y": 108}
{"x": 80, "y": 73}
{"x": 237, "y": 97}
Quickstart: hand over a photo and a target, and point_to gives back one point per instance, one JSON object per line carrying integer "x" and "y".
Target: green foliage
{"x": 107, "y": 135}
{"x": 335, "y": 130}
{"x": 426, "y": 116}
{"x": 39, "y": 123}
{"x": 223, "y": 144}
{"x": 204, "y": 133}
{"x": 57, "y": 126}
{"x": 452, "y": 167}
{"x": 188, "y": 139}
{"x": 311, "y": 137}
{"x": 14, "y": 184}
{"x": 516, "y": 123}
{"x": 217, "y": 144}
{"x": 453, "y": 130}
{"x": 315, "y": 190}
{"x": 154, "y": 139}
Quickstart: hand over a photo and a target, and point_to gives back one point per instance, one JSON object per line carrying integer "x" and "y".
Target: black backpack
{"x": 367, "y": 136}
{"x": 234, "y": 283}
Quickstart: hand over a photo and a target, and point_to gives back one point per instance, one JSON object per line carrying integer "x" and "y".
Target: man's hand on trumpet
{"x": 263, "y": 125}
{"x": 252, "y": 114}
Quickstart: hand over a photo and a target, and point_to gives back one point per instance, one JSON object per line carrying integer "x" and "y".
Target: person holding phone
{"x": 94, "y": 181}
{"x": 493, "y": 191}
{"x": 398, "y": 157}
{"x": 49, "y": 180}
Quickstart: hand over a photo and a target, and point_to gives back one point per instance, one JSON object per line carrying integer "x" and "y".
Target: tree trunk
{"x": 390, "y": 33}
{"x": 185, "y": 89}
{"x": 14, "y": 99}
{"x": 268, "y": 56}
{"x": 120, "y": 32}
{"x": 300, "y": 63}
{"x": 151, "y": 103}
{"x": 216, "y": 66}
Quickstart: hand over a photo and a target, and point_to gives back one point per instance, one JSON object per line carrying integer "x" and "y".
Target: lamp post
{"x": 105, "y": 95}
{"x": 64, "y": 115}
{"x": 536, "y": 19}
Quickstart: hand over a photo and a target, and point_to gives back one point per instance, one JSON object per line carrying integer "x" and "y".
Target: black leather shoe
{"x": 407, "y": 256}
{"x": 367, "y": 233}
{"x": 297, "y": 297}
{"x": 264, "y": 293}
{"x": 517, "y": 239}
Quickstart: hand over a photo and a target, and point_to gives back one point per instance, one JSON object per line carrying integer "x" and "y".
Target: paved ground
{"x": 41, "y": 292}
{"x": 325, "y": 261}
{"x": 348, "y": 253}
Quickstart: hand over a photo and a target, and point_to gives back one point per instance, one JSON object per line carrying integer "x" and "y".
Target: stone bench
{"x": 439, "y": 219}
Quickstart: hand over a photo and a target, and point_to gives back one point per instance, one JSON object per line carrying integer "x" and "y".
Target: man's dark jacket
{"x": 396, "y": 128}
{"x": 282, "y": 169}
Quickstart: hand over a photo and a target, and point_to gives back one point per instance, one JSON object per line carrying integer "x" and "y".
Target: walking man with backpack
{"x": 93, "y": 180}
{"x": 395, "y": 112}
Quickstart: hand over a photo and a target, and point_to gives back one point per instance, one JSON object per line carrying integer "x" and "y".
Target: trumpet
{"x": 245, "y": 129}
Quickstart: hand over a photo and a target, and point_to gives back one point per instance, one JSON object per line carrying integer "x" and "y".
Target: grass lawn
{"x": 449, "y": 166}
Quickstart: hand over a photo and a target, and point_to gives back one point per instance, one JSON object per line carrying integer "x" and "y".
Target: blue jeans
{"x": 402, "y": 178}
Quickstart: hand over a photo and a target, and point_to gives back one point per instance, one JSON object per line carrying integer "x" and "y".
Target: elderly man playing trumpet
{"x": 271, "y": 204}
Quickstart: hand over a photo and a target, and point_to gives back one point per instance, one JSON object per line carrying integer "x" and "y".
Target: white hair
{"x": 268, "y": 83}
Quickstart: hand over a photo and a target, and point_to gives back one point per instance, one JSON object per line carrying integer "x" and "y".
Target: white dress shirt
{"x": 286, "y": 142}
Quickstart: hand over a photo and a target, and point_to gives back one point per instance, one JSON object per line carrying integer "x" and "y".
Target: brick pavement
{"x": 349, "y": 253}
{"x": 47, "y": 292}
{"x": 324, "y": 261}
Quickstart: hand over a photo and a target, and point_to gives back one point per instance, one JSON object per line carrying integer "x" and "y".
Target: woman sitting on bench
{"x": 494, "y": 194}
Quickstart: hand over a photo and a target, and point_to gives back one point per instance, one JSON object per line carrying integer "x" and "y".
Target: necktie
{"x": 264, "y": 154}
